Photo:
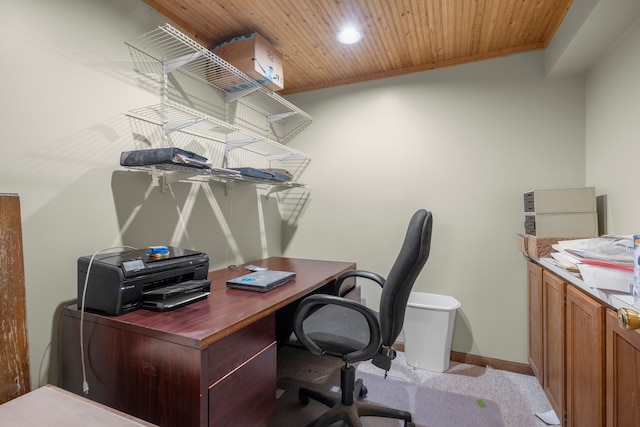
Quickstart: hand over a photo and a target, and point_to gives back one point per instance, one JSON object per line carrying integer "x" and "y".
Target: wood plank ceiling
{"x": 400, "y": 36}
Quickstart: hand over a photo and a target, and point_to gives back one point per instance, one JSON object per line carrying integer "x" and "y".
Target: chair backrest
{"x": 397, "y": 287}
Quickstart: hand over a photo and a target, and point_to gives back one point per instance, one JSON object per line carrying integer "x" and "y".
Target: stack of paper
{"x": 610, "y": 250}
{"x": 606, "y": 248}
{"x": 565, "y": 260}
{"x": 564, "y": 257}
{"x": 604, "y": 262}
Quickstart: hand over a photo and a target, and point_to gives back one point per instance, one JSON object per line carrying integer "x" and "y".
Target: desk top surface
{"x": 225, "y": 310}
{"x": 50, "y": 405}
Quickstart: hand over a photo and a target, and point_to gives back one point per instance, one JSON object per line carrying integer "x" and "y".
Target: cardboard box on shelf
{"x": 522, "y": 242}
{"x": 537, "y": 247}
{"x": 254, "y": 56}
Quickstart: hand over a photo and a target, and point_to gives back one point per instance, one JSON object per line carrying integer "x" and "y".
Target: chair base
{"x": 344, "y": 408}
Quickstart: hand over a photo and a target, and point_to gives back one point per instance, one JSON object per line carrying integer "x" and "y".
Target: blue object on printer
{"x": 157, "y": 250}
{"x": 121, "y": 282}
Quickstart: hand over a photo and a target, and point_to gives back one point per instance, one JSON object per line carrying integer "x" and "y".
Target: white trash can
{"x": 428, "y": 329}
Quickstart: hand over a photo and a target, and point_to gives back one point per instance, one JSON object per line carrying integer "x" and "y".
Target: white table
{"x": 53, "y": 406}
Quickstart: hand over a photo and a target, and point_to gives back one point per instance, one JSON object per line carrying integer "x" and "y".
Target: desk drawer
{"x": 246, "y": 397}
{"x": 227, "y": 354}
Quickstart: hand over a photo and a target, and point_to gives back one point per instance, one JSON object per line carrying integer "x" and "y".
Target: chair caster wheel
{"x": 363, "y": 392}
{"x": 362, "y": 389}
{"x": 303, "y": 398}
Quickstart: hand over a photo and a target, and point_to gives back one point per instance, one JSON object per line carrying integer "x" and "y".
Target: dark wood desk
{"x": 208, "y": 363}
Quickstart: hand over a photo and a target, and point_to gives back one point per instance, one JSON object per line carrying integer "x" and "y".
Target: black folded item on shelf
{"x": 157, "y": 156}
{"x": 264, "y": 174}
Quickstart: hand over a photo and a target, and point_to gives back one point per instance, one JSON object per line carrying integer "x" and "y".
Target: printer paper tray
{"x": 177, "y": 295}
{"x": 182, "y": 288}
{"x": 174, "y": 301}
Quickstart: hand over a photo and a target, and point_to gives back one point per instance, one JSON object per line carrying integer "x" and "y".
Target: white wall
{"x": 67, "y": 80}
{"x": 464, "y": 142}
{"x": 613, "y": 132}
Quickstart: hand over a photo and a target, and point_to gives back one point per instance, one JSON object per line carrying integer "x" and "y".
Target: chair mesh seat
{"x": 348, "y": 332}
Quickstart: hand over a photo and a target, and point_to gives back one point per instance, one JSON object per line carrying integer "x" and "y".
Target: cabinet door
{"x": 553, "y": 290}
{"x": 535, "y": 319}
{"x": 623, "y": 374}
{"x": 584, "y": 360}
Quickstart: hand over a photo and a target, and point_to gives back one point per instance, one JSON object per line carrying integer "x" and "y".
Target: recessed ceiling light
{"x": 349, "y": 36}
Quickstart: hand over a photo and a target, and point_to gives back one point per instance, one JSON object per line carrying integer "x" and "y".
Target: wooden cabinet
{"x": 553, "y": 290}
{"x": 588, "y": 366}
{"x": 622, "y": 374}
{"x": 535, "y": 320}
{"x": 584, "y": 360}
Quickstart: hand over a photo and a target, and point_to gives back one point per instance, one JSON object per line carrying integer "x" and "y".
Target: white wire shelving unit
{"x": 210, "y": 107}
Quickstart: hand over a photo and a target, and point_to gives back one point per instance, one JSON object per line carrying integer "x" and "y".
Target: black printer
{"x": 125, "y": 281}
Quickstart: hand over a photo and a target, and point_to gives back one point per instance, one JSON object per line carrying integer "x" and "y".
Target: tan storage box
{"x": 564, "y": 200}
{"x": 574, "y": 225}
{"x": 537, "y": 247}
{"x": 254, "y": 56}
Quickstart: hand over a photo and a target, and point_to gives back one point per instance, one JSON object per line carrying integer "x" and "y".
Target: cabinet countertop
{"x": 614, "y": 299}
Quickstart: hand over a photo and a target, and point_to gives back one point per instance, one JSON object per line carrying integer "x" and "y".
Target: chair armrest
{"x": 357, "y": 273}
{"x": 308, "y": 306}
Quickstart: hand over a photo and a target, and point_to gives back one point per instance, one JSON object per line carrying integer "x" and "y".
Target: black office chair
{"x": 340, "y": 327}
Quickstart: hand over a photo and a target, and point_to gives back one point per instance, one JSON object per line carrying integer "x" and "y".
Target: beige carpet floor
{"x": 519, "y": 396}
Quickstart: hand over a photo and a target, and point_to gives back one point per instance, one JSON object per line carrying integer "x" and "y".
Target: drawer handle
{"x": 628, "y": 319}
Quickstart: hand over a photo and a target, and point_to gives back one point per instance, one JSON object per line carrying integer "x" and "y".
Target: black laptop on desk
{"x": 261, "y": 281}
